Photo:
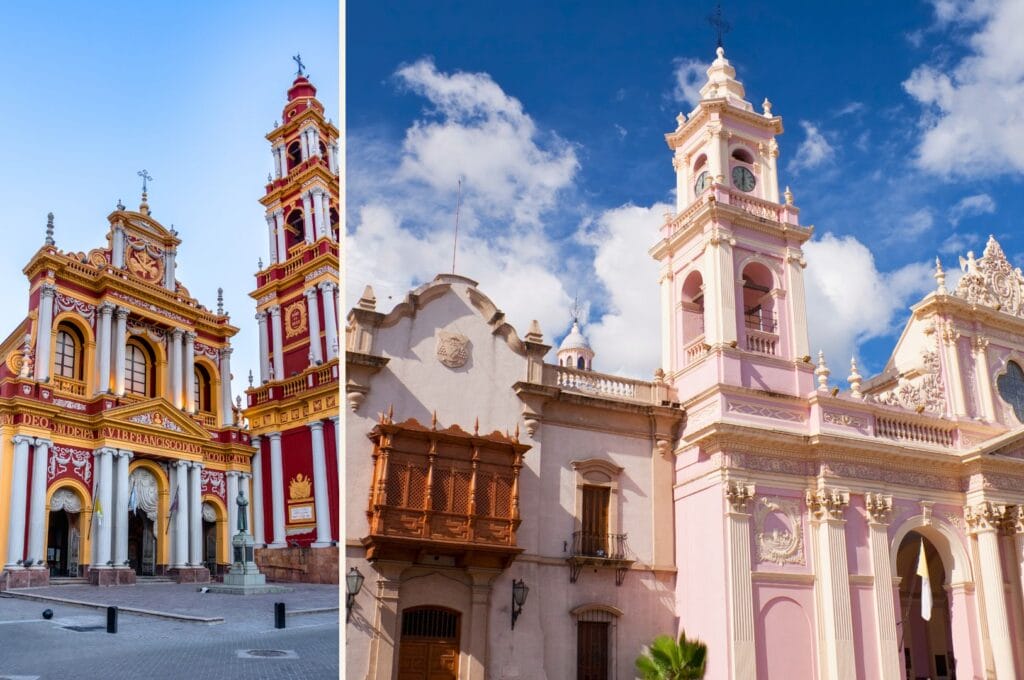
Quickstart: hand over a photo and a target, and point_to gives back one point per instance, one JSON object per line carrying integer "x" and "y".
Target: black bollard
{"x": 279, "y": 615}
{"x": 111, "y": 619}
{"x": 47, "y": 614}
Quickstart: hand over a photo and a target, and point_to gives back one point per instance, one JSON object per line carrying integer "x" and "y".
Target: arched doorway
{"x": 210, "y": 537}
{"x": 63, "y": 538}
{"x": 142, "y": 534}
{"x": 927, "y": 645}
{"x": 429, "y": 648}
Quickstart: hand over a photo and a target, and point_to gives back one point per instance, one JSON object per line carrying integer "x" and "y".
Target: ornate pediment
{"x": 157, "y": 414}
{"x": 992, "y": 281}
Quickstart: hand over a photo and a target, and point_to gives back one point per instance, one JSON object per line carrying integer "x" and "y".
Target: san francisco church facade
{"x": 515, "y": 518}
{"x": 122, "y": 452}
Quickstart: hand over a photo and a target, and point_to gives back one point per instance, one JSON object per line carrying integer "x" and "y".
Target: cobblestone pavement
{"x": 147, "y": 647}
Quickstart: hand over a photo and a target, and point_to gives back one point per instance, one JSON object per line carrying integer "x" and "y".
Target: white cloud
{"x": 401, "y": 218}
{"x": 621, "y": 130}
{"x": 979, "y": 204}
{"x": 973, "y": 118}
{"x": 813, "y": 151}
{"x": 916, "y": 223}
{"x": 626, "y": 339}
{"x": 850, "y": 109}
{"x": 849, "y": 301}
{"x": 483, "y": 136}
{"x": 958, "y": 244}
{"x": 690, "y": 75}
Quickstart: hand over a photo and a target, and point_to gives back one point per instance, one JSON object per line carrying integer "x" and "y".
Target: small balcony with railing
{"x": 762, "y": 332}
{"x": 443, "y": 492}
{"x": 601, "y": 551}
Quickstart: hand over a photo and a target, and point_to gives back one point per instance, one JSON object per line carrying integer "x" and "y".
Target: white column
{"x": 119, "y": 517}
{"x": 795, "y": 264}
{"x": 195, "y": 515}
{"x": 261, "y": 320}
{"x": 319, "y": 225}
{"x": 667, "y": 347}
{"x": 327, "y": 289}
{"x": 277, "y": 489}
{"x": 312, "y": 305}
{"x": 175, "y": 368}
{"x": 321, "y": 501}
{"x": 741, "y": 605}
{"x": 18, "y": 491}
{"x": 44, "y": 328}
{"x": 337, "y": 446}
{"x": 272, "y": 234}
{"x": 332, "y": 159}
{"x": 169, "y": 270}
{"x": 951, "y": 367}
{"x": 256, "y": 502}
{"x": 225, "y": 388}
{"x": 117, "y": 248}
{"x": 275, "y": 320}
{"x": 37, "y": 508}
{"x": 986, "y": 403}
{"x": 304, "y": 143}
{"x": 232, "y": 505}
{"x": 189, "y": 368}
{"x": 833, "y": 577}
{"x": 104, "y": 470}
{"x": 307, "y": 216}
{"x": 119, "y": 340}
{"x": 314, "y": 141}
{"x": 984, "y": 521}
{"x": 282, "y": 244}
{"x": 279, "y": 166}
{"x": 879, "y": 509}
{"x": 181, "y": 515}
{"x": 773, "y": 172}
{"x": 103, "y": 348}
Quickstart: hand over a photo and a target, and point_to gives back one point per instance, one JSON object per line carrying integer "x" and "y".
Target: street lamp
{"x": 353, "y": 584}
{"x": 519, "y": 593}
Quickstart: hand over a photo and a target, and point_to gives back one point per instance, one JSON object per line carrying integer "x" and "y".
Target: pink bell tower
{"x": 732, "y": 290}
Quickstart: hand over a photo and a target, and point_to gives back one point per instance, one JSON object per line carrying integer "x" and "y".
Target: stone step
{"x": 68, "y": 581}
{"x": 152, "y": 580}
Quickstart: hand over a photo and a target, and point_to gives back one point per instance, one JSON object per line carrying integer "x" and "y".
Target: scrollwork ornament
{"x": 781, "y": 546}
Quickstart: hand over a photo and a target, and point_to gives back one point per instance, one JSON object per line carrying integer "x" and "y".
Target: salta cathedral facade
{"x": 122, "y": 454}
{"x": 517, "y": 518}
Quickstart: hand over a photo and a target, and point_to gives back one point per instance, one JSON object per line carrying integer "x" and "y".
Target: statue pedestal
{"x": 244, "y": 577}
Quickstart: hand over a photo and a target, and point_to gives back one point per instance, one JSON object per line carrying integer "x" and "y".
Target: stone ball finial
{"x": 854, "y": 379}
{"x": 822, "y": 372}
{"x": 767, "y": 106}
{"x": 720, "y": 52}
{"x": 220, "y": 301}
{"x": 940, "y": 277}
{"x": 789, "y": 196}
{"x": 49, "y": 229}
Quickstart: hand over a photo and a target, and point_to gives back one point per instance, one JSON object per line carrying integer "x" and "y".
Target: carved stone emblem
{"x": 779, "y": 530}
{"x": 300, "y": 487}
{"x": 452, "y": 349}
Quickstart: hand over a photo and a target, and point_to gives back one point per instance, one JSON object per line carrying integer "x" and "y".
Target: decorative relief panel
{"x": 779, "y": 530}
{"x": 146, "y": 491}
{"x": 765, "y": 412}
{"x": 66, "y": 303}
{"x": 844, "y": 419}
{"x": 294, "y": 316}
{"x": 991, "y": 281}
{"x": 155, "y": 418}
{"x": 65, "y": 499}
{"x": 213, "y": 482}
{"x": 925, "y": 392}
{"x": 64, "y": 461}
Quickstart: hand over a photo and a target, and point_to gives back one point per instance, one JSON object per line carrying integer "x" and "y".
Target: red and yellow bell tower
{"x": 293, "y": 412}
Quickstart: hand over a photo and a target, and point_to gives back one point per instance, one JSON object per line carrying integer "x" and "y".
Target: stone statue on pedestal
{"x": 243, "y": 516}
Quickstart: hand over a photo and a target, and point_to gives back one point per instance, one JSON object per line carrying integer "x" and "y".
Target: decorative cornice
{"x": 985, "y": 516}
{"x": 827, "y": 504}
{"x": 739, "y": 495}
{"x": 879, "y": 507}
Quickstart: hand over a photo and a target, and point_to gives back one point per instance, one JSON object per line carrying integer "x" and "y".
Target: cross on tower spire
{"x": 718, "y": 23}
{"x": 145, "y": 176}
{"x": 298, "y": 60}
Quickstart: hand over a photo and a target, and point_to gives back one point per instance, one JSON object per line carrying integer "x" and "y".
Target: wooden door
{"x": 595, "y": 521}
{"x": 429, "y": 648}
{"x": 592, "y": 650}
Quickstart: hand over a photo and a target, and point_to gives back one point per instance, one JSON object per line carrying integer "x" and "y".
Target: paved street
{"x": 149, "y": 647}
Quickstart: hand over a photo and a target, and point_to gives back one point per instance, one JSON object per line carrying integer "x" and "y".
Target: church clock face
{"x": 743, "y": 179}
{"x": 703, "y": 182}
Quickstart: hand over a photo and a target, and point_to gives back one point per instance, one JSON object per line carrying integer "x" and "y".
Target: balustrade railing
{"x": 695, "y": 351}
{"x": 910, "y": 431}
{"x": 761, "y": 342}
{"x": 603, "y": 546}
{"x": 69, "y": 386}
{"x": 601, "y": 384}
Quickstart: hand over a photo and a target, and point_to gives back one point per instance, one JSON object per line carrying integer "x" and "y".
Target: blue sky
{"x": 904, "y": 140}
{"x": 96, "y": 92}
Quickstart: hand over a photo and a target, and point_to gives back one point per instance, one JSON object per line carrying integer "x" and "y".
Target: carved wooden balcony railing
{"x": 443, "y": 492}
{"x": 599, "y": 550}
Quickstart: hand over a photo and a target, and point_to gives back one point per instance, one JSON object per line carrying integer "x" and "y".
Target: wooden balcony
{"x": 444, "y": 493}
{"x": 607, "y": 551}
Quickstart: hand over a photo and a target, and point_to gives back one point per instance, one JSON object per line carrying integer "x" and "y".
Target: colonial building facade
{"x": 293, "y": 412}
{"x": 119, "y": 447}
{"x": 741, "y": 495}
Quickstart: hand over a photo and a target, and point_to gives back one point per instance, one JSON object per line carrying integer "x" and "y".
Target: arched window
{"x": 138, "y": 370}
{"x": 294, "y": 154}
{"x": 296, "y": 228}
{"x": 68, "y": 357}
{"x": 743, "y": 156}
{"x": 202, "y": 390}
{"x": 581, "y": 363}
{"x": 692, "y": 310}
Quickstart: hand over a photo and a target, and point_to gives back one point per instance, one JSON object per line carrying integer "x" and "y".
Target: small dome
{"x": 575, "y": 339}
{"x": 301, "y": 88}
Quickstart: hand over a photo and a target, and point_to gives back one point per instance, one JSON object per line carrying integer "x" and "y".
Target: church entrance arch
{"x": 429, "y": 647}
{"x": 142, "y": 513}
{"x": 63, "y": 536}
{"x": 925, "y": 626}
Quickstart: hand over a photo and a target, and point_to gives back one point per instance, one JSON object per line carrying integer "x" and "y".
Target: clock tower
{"x": 731, "y": 276}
